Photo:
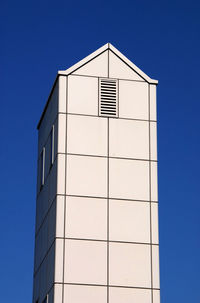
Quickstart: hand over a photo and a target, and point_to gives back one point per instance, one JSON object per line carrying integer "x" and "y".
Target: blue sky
{"x": 160, "y": 37}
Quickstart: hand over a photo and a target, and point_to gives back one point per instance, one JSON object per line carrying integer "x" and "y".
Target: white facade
{"x": 97, "y": 202}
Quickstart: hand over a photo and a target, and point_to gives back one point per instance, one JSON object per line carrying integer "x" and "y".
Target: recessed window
{"x": 42, "y": 167}
{"x": 108, "y": 97}
{"x": 52, "y": 146}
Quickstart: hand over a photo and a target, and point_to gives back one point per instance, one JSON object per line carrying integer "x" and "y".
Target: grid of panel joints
{"x": 89, "y": 239}
{"x": 91, "y": 197}
{"x": 108, "y": 216}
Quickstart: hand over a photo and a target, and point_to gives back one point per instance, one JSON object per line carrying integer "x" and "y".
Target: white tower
{"x": 96, "y": 238}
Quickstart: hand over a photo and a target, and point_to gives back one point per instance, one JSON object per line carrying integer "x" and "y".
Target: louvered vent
{"x": 108, "y": 98}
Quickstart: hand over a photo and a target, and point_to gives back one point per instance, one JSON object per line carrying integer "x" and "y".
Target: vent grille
{"x": 108, "y": 96}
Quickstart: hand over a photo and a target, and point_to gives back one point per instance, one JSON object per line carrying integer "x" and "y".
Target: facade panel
{"x": 154, "y": 182}
{"x": 155, "y": 267}
{"x": 123, "y": 136}
{"x": 129, "y": 265}
{"x": 61, "y": 142}
{"x": 153, "y": 107}
{"x": 153, "y": 140}
{"x": 85, "y": 262}
{"x": 156, "y": 296}
{"x": 154, "y": 223}
{"x": 122, "y": 295}
{"x": 58, "y": 293}
{"x": 59, "y": 260}
{"x": 85, "y": 294}
{"x": 86, "y": 218}
{"x": 87, "y": 135}
{"x": 82, "y": 95}
{"x": 129, "y": 221}
{"x": 135, "y": 173}
{"x": 134, "y": 103}
{"x": 86, "y": 176}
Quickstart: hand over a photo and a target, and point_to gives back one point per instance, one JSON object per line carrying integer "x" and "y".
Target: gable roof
{"x": 107, "y": 46}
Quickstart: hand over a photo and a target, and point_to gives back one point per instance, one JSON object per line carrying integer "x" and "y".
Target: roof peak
{"x": 99, "y": 51}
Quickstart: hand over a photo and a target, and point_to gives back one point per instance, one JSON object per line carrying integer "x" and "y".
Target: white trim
{"x": 132, "y": 65}
{"x": 118, "y": 53}
{"x": 84, "y": 61}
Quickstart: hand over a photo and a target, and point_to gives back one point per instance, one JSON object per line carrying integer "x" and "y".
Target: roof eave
{"x": 84, "y": 61}
{"x": 48, "y": 100}
{"x": 132, "y": 65}
{"x": 100, "y": 51}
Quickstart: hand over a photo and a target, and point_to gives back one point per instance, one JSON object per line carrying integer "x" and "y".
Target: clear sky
{"x": 160, "y": 37}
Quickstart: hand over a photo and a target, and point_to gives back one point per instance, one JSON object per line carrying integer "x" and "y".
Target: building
{"x": 97, "y": 206}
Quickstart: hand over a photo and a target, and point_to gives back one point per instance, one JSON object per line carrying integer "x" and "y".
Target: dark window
{"x": 52, "y": 146}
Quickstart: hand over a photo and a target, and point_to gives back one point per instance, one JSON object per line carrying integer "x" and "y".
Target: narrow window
{"x": 108, "y": 97}
{"x": 42, "y": 166}
{"x": 52, "y": 146}
{"x": 45, "y": 300}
